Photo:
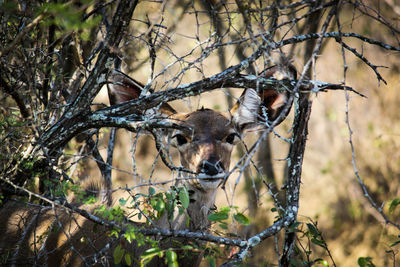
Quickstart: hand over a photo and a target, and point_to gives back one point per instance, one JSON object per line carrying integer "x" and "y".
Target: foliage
{"x": 222, "y": 217}
{"x": 68, "y": 18}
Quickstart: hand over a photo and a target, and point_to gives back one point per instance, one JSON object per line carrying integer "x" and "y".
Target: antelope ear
{"x": 253, "y": 110}
{"x": 245, "y": 111}
{"x": 122, "y": 88}
{"x": 275, "y": 102}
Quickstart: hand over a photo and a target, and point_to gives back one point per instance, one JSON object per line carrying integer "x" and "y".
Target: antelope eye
{"x": 230, "y": 138}
{"x": 180, "y": 139}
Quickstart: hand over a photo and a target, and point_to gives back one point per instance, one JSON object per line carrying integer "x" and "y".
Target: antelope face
{"x": 206, "y": 147}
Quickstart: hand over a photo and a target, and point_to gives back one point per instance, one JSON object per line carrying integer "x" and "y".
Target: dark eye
{"x": 230, "y": 138}
{"x": 181, "y": 140}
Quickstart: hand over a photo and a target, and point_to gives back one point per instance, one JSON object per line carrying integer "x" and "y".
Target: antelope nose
{"x": 210, "y": 168}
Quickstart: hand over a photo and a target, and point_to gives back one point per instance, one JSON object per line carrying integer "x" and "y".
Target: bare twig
{"x": 357, "y": 172}
{"x": 22, "y": 34}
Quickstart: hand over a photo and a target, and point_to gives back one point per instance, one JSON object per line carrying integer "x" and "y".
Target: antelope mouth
{"x": 211, "y": 178}
{"x": 211, "y": 181}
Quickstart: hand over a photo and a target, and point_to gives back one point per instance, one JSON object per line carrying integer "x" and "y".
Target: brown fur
{"x": 44, "y": 236}
{"x": 206, "y": 142}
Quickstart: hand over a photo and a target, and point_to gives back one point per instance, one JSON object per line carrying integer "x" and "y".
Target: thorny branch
{"x": 357, "y": 172}
{"x": 121, "y": 115}
{"x": 63, "y": 204}
{"x": 363, "y": 187}
{"x": 80, "y": 105}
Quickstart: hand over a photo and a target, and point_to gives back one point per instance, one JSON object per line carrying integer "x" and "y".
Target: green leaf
{"x": 211, "y": 261}
{"x": 128, "y": 259}
{"x": 324, "y": 262}
{"x": 313, "y": 230}
{"x": 293, "y": 227}
{"x": 152, "y": 191}
{"x": 171, "y": 195}
{"x": 241, "y": 218}
{"x": 90, "y": 200}
{"x": 223, "y": 225}
{"x": 171, "y": 256}
{"x": 181, "y": 210}
{"x": 218, "y": 216}
{"x": 151, "y": 252}
{"x": 122, "y": 201}
{"x": 114, "y": 232}
{"x": 365, "y": 262}
{"x": 173, "y": 264}
{"x": 184, "y": 197}
{"x": 153, "y": 202}
{"x": 225, "y": 209}
{"x": 130, "y": 234}
{"x": 118, "y": 254}
{"x": 318, "y": 242}
{"x": 395, "y": 243}
{"x": 393, "y": 204}
{"x": 160, "y": 205}
{"x": 362, "y": 262}
{"x": 321, "y": 261}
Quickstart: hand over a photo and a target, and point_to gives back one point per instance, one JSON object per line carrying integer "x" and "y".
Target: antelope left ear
{"x": 245, "y": 111}
{"x": 253, "y": 111}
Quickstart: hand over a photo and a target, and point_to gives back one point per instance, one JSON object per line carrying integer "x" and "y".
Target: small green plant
{"x": 223, "y": 215}
{"x": 121, "y": 254}
{"x": 152, "y": 205}
{"x": 111, "y": 213}
{"x": 309, "y": 239}
{"x": 365, "y": 262}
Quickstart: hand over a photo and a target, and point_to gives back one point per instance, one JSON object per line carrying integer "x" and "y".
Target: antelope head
{"x": 207, "y": 137}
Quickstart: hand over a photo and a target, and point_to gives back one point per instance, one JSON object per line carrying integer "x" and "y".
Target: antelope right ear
{"x": 122, "y": 88}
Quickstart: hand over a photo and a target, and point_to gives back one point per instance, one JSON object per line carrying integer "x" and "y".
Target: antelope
{"x": 205, "y": 141}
